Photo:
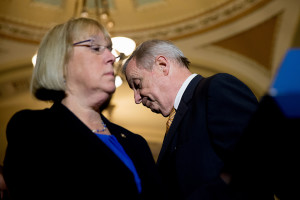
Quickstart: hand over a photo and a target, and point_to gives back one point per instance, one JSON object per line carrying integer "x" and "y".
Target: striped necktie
{"x": 170, "y": 120}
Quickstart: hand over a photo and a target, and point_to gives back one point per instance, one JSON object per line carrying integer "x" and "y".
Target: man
{"x": 196, "y": 158}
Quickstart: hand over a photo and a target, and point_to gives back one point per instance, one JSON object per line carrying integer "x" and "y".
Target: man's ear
{"x": 163, "y": 64}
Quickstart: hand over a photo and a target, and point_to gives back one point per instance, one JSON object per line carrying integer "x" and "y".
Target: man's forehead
{"x": 132, "y": 71}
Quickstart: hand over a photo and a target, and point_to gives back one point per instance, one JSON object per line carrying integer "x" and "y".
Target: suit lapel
{"x": 170, "y": 138}
{"x": 77, "y": 129}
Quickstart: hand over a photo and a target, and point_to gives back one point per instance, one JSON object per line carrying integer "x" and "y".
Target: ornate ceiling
{"x": 247, "y": 38}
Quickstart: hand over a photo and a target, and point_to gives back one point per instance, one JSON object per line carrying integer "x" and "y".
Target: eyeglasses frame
{"x": 101, "y": 47}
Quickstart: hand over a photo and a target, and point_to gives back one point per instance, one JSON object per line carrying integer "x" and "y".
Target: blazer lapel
{"x": 77, "y": 129}
{"x": 171, "y": 138}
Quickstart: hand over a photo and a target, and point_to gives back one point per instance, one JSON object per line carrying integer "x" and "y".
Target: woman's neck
{"x": 88, "y": 113}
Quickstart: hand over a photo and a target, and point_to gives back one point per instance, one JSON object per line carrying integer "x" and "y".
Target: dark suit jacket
{"x": 268, "y": 154}
{"x": 199, "y": 145}
{"x": 51, "y": 154}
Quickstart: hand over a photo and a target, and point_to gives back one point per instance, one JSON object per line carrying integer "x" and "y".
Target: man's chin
{"x": 153, "y": 110}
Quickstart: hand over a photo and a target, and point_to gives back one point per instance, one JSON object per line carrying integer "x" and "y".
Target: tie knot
{"x": 171, "y": 117}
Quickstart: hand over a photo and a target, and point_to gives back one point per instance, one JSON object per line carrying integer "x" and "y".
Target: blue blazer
{"x": 199, "y": 145}
{"x": 51, "y": 154}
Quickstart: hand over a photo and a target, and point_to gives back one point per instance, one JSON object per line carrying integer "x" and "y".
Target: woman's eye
{"x": 96, "y": 49}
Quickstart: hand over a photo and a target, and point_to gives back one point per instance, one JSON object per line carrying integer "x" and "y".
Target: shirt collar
{"x": 182, "y": 89}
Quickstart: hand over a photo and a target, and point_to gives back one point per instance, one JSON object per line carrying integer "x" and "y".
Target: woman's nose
{"x": 111, "y": 56}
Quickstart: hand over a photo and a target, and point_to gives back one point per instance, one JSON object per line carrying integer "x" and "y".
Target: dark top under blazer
{"x": 199, "y": 145}
{"x": 51, "y": 154}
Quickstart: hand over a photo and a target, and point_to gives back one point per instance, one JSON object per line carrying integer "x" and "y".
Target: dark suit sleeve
{"x": 17, "y": 159}
{"x": 24, "y": 159}
{"x": 230, "y": 105}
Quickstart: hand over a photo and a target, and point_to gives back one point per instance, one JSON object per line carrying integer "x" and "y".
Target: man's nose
{"x": 137, "y": 97}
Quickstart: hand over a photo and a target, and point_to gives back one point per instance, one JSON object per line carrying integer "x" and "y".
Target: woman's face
{"x": 90, "y": 68}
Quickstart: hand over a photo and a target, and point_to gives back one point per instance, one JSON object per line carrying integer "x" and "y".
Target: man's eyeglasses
{"x": 97, "y": 48}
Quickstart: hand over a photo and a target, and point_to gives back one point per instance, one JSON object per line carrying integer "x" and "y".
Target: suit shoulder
{"x": 225, "y": 85}
{"x": 218, "y": 81}
{"x": 25, "y": 118}
{"x": 23, "y": 121}
{"x": 223, "y": 76}
{"x": 227, "y": 80}
{"x": 28, "y": 114}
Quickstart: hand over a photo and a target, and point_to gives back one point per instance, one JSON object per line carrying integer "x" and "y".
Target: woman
{"x": 71, "y": 150}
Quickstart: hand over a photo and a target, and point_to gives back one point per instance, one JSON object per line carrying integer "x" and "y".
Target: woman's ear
{"x": 163, "y": 64}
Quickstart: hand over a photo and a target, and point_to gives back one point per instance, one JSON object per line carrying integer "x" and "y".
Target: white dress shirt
{"x": 182, "y": 89}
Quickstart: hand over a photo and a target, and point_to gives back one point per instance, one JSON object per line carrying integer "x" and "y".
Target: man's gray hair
{"x": 147, "y": 51}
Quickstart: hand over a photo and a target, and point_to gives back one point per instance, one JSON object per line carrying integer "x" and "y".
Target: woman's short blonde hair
{"x": 54, "y": 52}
